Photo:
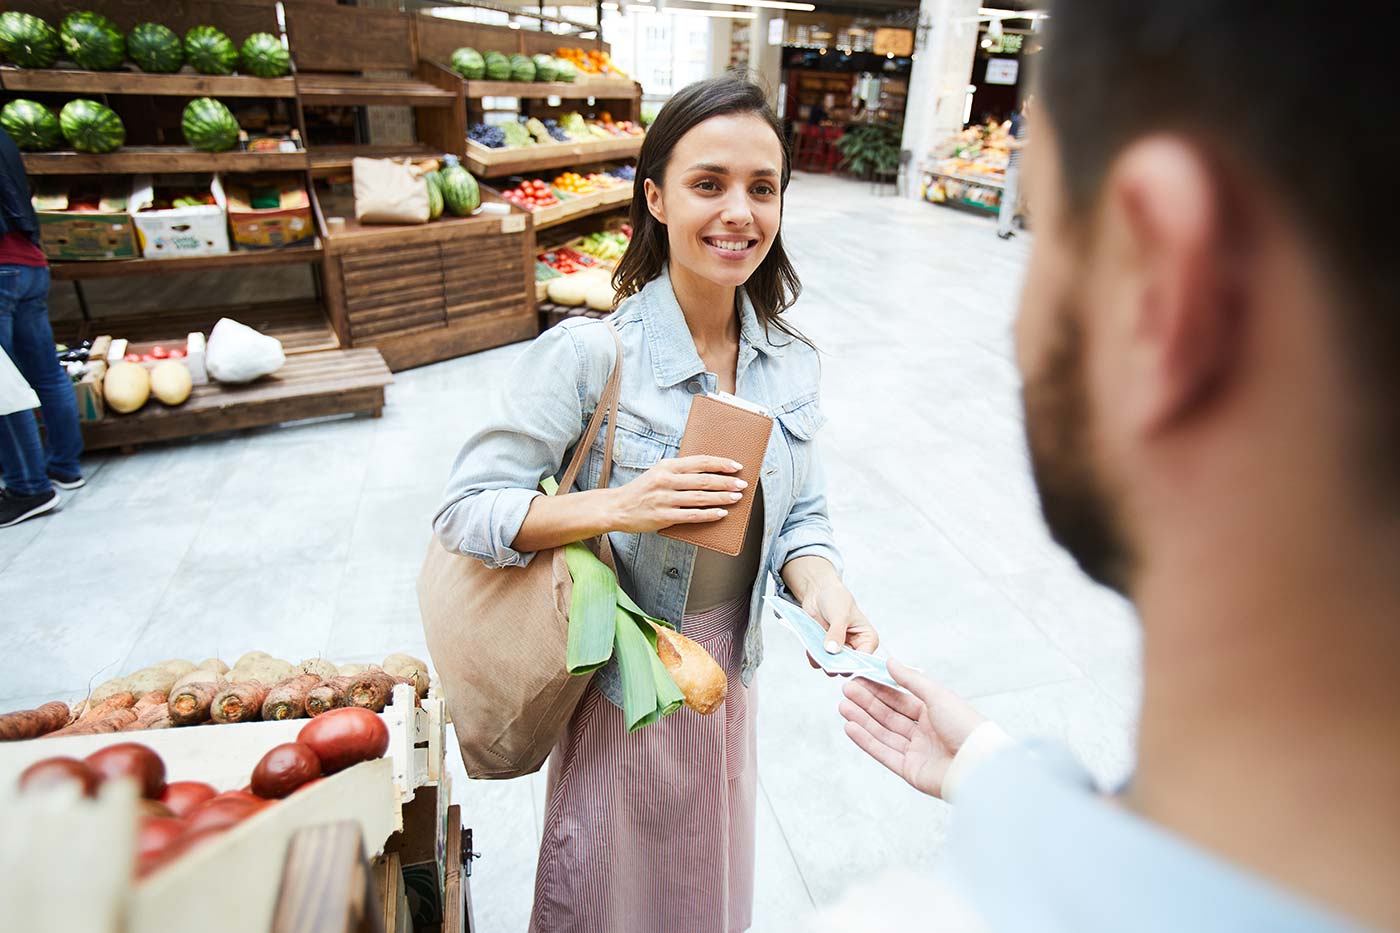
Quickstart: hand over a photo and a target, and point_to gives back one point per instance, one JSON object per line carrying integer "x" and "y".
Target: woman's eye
{"x": 706, "y": 185}
{"x": 764, "y": 191}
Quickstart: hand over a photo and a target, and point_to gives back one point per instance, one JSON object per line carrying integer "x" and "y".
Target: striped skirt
{"x": 654, "y": 832}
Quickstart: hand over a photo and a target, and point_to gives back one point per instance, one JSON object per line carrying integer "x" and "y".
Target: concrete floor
{"x": 306, "y": 539}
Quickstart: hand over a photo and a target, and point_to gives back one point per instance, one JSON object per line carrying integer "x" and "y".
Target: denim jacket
{"x": 550, "y": 395}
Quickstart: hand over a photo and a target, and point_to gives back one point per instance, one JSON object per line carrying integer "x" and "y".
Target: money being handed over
{"x": 813, "y": 637}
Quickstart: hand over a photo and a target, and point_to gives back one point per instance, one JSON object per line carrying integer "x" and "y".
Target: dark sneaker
{"x": 76, "y": 483}
{"x": 15, "y": 509}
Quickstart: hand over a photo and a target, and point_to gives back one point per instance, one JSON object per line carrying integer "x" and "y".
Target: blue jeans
{"x": 27, "y": 337}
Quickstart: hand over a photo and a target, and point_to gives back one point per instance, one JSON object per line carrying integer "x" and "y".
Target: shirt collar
{"x": 673, "y": 353}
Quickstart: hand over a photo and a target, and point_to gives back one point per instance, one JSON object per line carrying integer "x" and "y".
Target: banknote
{"x": 813, "y": 638}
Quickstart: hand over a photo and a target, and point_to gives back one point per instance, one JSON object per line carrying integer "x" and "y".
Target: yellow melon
{"x": 126, "y": 387}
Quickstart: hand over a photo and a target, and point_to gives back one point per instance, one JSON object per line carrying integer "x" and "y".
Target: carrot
{"x": 371, "y": 691}
{"x": 327, "y": 695}
{"x": 115, "y": 721}
{"x": 32, "y": 723}
{"x": 240, "y": 702}
{"x": 287, "y": 700}
{"x": 151, "y": 700}
{"x": 156, "y": 717}
{"x": 193, "y": 703}
{"x": 104, "y": 708}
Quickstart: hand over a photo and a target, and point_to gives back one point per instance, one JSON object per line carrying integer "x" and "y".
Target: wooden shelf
{"x": 292, "y": 255}
{"x": 620, "y": 197}
{"x": 328, "y": 159}
{"x": 308, "y": 385}
{"x": 354, "y": 90}
{"x": 185, "y": 83}
{"x": 607, "y": 88}
{"x": 495, "y": 163}
{"x": 300, "y": 324}
{"x": 141, "y": 159}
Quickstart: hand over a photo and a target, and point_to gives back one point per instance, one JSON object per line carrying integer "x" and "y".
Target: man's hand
{"x": 915, "y": 736}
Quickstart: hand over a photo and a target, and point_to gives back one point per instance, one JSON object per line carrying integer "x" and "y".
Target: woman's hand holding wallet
{"x": 684, "y": 490}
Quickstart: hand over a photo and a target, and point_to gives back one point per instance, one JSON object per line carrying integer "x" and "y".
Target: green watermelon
{"x": 521, "y": 68}
{"x": 544, "y": 67}
{"x": 435, "y": 201}
{"x": 497, "y": 66}
{"x": 32, "y": 125}
{"x": 468, "y": 63}
{"x": 564, "y": 70}
{"x": 156, "y": 48}
{"x": 92, "y": 41}
{"x": 27, "y": 40}
{"x": 263, "y": 55}
{"x": 91, "y": 127}
{"x": 459, "y": 189}
{"x": 210, "y": 51}
{"x": 209, "y": 126}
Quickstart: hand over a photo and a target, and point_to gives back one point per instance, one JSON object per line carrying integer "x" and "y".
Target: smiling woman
{"x": 653, "y": 828}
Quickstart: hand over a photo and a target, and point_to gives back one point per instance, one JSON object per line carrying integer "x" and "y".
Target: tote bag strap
{"x": 607, "y": 405}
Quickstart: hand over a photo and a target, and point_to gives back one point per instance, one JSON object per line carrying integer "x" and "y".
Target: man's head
{"x": 1210, "y": 321}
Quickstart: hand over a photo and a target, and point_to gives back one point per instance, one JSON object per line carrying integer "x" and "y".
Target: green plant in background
{"x": 649, "y": 112}
{"x": 870, "y": 148}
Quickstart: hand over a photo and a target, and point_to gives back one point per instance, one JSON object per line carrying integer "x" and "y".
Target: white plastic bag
{"x": 15, "y": 394}
{"x": 237, "y": 353}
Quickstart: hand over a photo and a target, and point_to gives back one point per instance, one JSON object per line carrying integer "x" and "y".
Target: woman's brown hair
{"x": 774, "y": 285}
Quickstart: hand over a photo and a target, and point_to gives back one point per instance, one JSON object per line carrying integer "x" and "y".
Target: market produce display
{"x": 92, "y": 41}
{"x": 544, "y": 67}
{"x": 604, "y": 245}
{"x": 436, "y": 204}
{"x": 91, "y": 127}
{"x": 210, "y": 51}
{"x": 209, "y": 126}
{"x": 468, "y": 63}
{"x": 497, "y": 66}
{"x": 591, "y": 62}
{"x": 570, "y": 127}
{"x": 28, "y": 41}
{"x": 491, "y": 136}
{"x": 257, "y": 687}
{"x": 171, "y": 382}
{"x": 177, "y": 816}
{"x": 521, "y": 68}
{"x": 531, "y": 194}
{"x": 32, "y": 125}
{"x": 126, "y": 387}
{"x": 155, "y": 48}
{"x": 460, "y": 191}
{"x": 262, "y": 55}
{"x": 982, "y": 150}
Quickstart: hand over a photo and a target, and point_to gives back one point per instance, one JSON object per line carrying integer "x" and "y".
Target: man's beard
{"x": 1077, "y": 507}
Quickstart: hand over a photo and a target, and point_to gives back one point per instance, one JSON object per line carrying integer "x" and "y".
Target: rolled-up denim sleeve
{"x": 807, "y": 531}
{"x": 532, "y": 422}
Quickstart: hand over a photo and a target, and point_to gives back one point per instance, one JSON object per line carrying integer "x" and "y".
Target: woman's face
{"x": 720, "y": 199}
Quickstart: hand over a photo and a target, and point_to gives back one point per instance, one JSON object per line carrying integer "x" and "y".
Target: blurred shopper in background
{"x": 1209, "y": 337}
{"x": 1011, "y": 194}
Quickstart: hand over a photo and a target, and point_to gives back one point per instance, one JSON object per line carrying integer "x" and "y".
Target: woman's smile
{"x": 731, "y": 248}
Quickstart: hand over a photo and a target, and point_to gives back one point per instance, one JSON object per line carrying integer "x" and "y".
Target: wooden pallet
{"x": 302, "y": 326}
{"x": 309, "y": 385}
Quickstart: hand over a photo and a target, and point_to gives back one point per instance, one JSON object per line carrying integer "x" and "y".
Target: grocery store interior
{"x": 295, "y": 250}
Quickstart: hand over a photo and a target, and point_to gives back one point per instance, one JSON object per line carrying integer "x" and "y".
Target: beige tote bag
{"x": 498, "y": 637}
{"x": 389, "y": 191}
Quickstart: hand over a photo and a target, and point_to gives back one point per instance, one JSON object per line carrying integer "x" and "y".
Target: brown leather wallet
{"x": 721, "y": 429}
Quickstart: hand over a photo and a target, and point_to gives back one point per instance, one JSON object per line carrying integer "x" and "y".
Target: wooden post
{"x": 327, "y": 886}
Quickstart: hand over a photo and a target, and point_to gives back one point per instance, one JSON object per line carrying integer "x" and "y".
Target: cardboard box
{"x": 88, "y": 392}
{"x": 200, "y": 230}
{"x": 104, "y": 232}
{"x": 268, "y": 211}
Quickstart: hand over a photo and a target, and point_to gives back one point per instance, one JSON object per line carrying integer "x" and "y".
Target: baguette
{"x": 697, "y": 674}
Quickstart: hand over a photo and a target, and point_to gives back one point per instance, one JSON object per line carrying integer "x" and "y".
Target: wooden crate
{"x": 496, "y": 163}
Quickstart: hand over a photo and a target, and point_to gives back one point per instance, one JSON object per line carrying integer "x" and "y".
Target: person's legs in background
{"x": 1009, "y": 196}
{"x": 27, "y": 337}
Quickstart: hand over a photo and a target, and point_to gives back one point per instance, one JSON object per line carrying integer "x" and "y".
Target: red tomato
{"x": 345, "y": 736}
{"x": 51, "y": 771}
{"x": 148, "y": 357}
{"x": 284, "y": 769}
{"x": 133, "y": 760}
{"x": 221, "y": 813}
{"x": 132, "y": 358}
{"x": 160, "y": 352}
{"x": 176, "y": 353}
{"x": 183, "y": 796}
{"x": 157, "y": 832}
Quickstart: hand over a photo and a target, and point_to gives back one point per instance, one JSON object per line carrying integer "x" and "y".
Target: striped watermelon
{"x": 155, "y": 48}
{"x": 210, "y": 51}
{"x": 209, "y": 126}
{"x": 497, "y": 66}
{"x": 263, "y": 55}
{"x": 459, "y": 189}
{"x": 544, "y": 67}
{"x": 92, "y": 41}
{"x": 521, "y": 68}
{"x": 91, "y": 127}
{"x": 27, "y": 40}
{"x": 564, "y": 71}
{"x": 435, "y": 201}
{"x": 468, "y": 63}
{"x": 32, "y": 125}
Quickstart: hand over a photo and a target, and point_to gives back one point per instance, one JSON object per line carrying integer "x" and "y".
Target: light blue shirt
{"x": 539, "y": 415}
{"x": 1034, "y": 848}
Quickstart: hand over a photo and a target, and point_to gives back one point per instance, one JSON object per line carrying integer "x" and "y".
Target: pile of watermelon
{"x": 209, "y": 126}
{"x": 155, "y": 48}
{"x": 92, "y": 41}
{"x": 91, "y": 127}
{"x": 469, "y": 63}
{"x": 263, "y": 55}
{"x": 31, "y": 125}
{"x": 210, "y": 51}
{"x": 28, "y": 41}
{"x": 497, "y": 67}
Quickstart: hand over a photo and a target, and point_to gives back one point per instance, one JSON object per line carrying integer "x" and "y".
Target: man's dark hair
{"x": 1293, "y": 94}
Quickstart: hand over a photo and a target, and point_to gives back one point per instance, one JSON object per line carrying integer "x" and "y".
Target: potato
{"x": 398, "y": 658}
{"x": 197, "y": 677}
{"x": 250, "y": 656}
{"x": 318, "y": 666}
{"x": 176, "y": 666}
{"x": 151, "y": 680}
{"x": 109, "y": 688}
{"x": 350, "y": 670}
{"x": 212, "y": 664}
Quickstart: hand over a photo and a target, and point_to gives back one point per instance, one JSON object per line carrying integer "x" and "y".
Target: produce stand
{"x": 302, "y": 863}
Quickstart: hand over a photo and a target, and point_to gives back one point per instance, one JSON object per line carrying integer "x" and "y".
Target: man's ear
{"x": 1183, "y": 326}
{"x": 654, "y": 203}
